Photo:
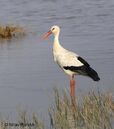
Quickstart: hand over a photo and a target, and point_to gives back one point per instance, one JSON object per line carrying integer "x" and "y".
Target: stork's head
{"x": 55, "y": 30}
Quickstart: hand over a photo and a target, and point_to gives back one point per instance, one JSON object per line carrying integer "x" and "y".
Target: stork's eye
{"x": 53, "y": 28}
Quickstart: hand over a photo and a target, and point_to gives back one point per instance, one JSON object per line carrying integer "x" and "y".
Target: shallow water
{"x": 27, "y": 70}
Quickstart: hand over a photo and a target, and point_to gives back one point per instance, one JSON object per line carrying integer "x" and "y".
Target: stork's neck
{"x": 56, "y": 45}
{"x": 56, "y": 39}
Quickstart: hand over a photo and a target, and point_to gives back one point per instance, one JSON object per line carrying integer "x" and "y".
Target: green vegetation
{"x": 10, "y": 31}
{"x": 92, "y": 111}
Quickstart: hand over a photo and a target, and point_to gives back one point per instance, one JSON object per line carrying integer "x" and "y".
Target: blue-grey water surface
{"x": 27, "y": 70}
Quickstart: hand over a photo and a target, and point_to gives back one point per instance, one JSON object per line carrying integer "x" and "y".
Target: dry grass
{"x": 92, "y": 111}
{"x": 11, "y": 31}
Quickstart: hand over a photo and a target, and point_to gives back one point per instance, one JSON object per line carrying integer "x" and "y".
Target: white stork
{"x": 71, "y": 63}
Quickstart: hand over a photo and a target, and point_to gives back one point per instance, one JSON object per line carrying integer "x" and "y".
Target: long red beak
{"x": 46, "y": 35}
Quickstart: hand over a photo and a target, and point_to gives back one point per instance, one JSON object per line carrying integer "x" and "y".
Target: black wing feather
{"x": 84, "y": 70}
{"x": 83, "y": 61}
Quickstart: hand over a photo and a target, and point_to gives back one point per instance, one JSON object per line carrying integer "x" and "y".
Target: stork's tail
{"x": 93, "y": 74}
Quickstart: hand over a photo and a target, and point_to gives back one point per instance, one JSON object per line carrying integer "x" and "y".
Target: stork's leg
{"x": 72, "y": 87}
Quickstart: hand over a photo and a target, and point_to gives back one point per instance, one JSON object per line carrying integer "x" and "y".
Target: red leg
{"x": 72, "y": 87}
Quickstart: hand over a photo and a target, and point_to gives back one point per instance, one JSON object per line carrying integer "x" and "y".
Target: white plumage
{"x": 66, "y": 58}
